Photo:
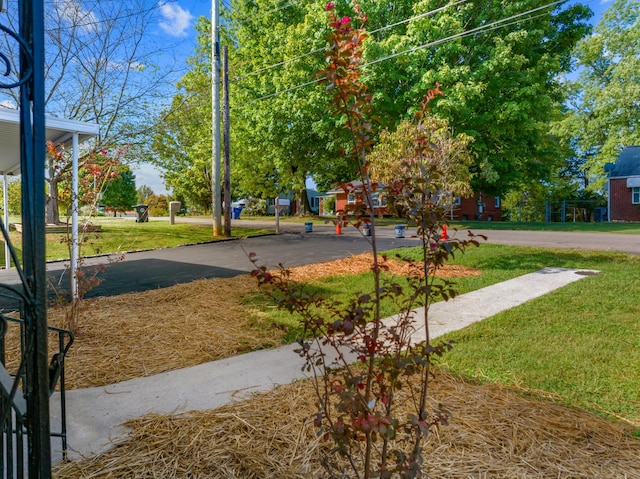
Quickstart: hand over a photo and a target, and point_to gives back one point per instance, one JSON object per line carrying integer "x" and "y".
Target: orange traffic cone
{"x": 339, "y": 227}
{"x": 444, "y": 235}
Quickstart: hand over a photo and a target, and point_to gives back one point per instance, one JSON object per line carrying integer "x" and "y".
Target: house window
{"x": 351, "y": 199}
{"x": 635, "y": 195}
{"x": 458, "y": 201}
{"x": 377, "y": 202}
{"x": 497, "y": 202}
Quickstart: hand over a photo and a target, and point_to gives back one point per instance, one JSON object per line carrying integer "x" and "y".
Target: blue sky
{"x": 176, "y": 20}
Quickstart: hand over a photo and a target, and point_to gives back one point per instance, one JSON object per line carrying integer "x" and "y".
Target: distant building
{"x": 624, "y": 186}
{"x": 346, "y": 195}
{"x": 480, "y": 207}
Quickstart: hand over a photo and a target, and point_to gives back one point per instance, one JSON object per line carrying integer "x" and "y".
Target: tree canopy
{"x": 143, "y": 193}
{"x": 120, "y": 193}
{"x": 500, "y": 79}
{"x": 181, "y": 141}
{"x": 498, "y": 64}
{"x": 605, "y": 100}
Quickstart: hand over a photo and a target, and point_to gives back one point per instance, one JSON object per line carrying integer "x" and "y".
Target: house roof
{"x": 627, "y": 164}
{"x": 57, "y": 130}
{"x": 351, "y": 187}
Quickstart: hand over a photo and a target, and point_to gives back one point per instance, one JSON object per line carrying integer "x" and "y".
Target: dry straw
{"x": 494, "y": 433}
{"x": 141, "y": 334}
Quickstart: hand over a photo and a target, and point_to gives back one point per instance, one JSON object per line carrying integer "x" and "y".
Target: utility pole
{"x": 216, "y": 205}
{"x": 227, "y": 142}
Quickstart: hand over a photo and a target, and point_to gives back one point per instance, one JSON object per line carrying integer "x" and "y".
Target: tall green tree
{"x": 181, "y": 141}
{"x": 279, "y": 113}
{"x": 500, "y": 84}
{"x": 120, "y": 192}
{"x": 605, "y": 102}
{"x": 280, "y": 132}
{"x": 143, "y": 193}
{"x": 500, "y": 79}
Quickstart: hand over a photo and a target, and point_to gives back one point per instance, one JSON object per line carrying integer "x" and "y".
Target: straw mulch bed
{"x": 141, "y": 334}
{"x": 362, "y": 263}
{"x": 494, "y": 433}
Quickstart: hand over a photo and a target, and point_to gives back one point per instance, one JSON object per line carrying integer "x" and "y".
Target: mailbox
{"x": 174, "y": 207}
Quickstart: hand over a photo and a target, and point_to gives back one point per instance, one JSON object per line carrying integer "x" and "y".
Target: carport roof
{"x": 57, "y": 130}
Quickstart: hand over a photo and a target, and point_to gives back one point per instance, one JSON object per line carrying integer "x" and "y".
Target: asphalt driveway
{"x": 164, "y": 267}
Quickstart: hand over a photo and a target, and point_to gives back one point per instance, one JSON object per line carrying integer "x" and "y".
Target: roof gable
{"x": 627, "y": 164}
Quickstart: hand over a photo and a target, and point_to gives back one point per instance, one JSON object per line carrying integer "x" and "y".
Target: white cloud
{"x": 177, "y": 20}
{"x": 73, "y": 13}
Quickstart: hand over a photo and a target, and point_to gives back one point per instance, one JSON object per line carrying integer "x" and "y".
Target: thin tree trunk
{"x": 303, "y": 201}
{"x": 52, "y": 207}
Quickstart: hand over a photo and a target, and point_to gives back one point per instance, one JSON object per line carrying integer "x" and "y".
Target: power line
{"x": 482, "y": 29}
{"x": 269, "y": 12}
{"x": 318, "y": 50}
{"x": 275, "y": 65}
{"x": 417, "y": 17}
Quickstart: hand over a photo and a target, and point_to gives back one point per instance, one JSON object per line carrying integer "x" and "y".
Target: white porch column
{"x": 74, "y": 216}
{"x": 5, "y": 184}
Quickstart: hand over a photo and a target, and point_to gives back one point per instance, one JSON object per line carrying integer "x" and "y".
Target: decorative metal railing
{"x": 13, "y": 345}
{"x": 24, "y": 392}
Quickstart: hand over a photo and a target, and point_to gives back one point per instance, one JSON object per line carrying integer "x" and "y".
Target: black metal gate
{"x": 24, "y": 392}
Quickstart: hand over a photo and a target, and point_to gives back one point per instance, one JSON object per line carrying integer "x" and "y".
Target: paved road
{"x": 628, "y": 243}
{"x": 164, "y": 267}
{"x": 168, "y": 266}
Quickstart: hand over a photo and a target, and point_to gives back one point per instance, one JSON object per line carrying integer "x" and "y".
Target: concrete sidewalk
{"x": 95, "y": 416}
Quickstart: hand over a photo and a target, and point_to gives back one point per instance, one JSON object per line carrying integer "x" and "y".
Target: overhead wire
{"x": 269, "y": 12}
{"x": 417, "y": 17}
{"x": 482, "y": 29}
{"x": 318, "y": 50}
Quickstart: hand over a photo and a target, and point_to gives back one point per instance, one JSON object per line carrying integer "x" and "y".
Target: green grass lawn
{"x": 120, "y": 236}
{"x": 579, "y": 345}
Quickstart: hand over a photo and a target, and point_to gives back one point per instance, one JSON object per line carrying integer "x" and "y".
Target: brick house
{"x": 346, "y": 195}
{"x": 480, "y": 207}
{"x": 623, "y": 182}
